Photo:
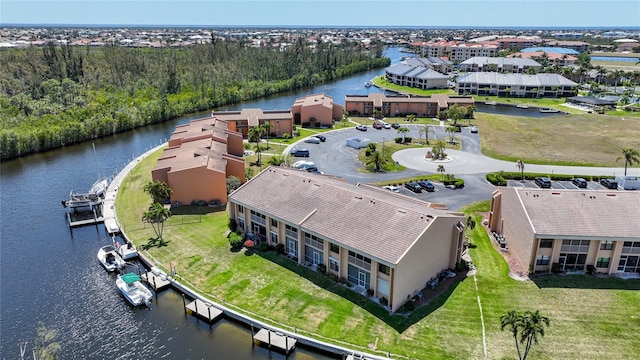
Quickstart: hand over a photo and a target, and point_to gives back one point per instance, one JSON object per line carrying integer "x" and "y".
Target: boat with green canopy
{"x": 133, "y": 289}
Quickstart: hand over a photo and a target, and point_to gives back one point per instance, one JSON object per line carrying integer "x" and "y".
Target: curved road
{"x": 333, "y": 157}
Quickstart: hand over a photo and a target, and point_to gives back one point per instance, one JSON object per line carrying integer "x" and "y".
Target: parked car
{"x": 543, "y": 182}
{"x": 321, "y": 137}
{"x": 361, "y": 127}
{"x": 609, "y": 183}
{"x": 474, "y": 129}
{"x": 377, "y": 125}
{"x": 303, "y": 164}
{"x": 426, "y": 186}
{"x": 300, "y": 153}
{"x": 392, "y": 188}
{"x": 458, "y": 127}
{"x": 413, "y": 187}
{"x": 579, "y": 182}
{"x": 312, "y": 140}
{"x": 395, "y": 126}
{"x": 386, "y": 125}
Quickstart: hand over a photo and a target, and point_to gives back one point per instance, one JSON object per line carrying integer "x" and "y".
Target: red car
{"x": 377, "y": 125}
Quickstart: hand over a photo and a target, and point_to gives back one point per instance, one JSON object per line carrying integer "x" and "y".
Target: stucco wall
{"x": 197, "y": 184}
{"x": 516, "y": 228}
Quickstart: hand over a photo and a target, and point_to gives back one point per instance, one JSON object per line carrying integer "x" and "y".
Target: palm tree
{"x": 512, "y": 320}
{"x": 451, "y": 130}
{"x": 631, "y": 156}
{"x": 525, "y": 328}
{"x": 441, "y": 170}
{"x": 276, "y": 160}
{"x": 266, "y": 128}
{"x": 156, "y": 216}
{"x": 520, "y": 166}
{"x": 438, "y": 150}
{"x": 375, "y": 160}
{"x": 531, "y": 326}
{"x": 403, "y": 131}
{"x": 254, "y": 136}
{"x": 158, "y": 190}
{"x": 425, "y": 130}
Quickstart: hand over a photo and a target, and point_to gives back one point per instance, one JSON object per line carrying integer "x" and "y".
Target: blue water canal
{"x": 50, "y": 274}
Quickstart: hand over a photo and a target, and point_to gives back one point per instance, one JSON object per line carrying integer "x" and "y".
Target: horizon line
{"x": 465, "y": 27}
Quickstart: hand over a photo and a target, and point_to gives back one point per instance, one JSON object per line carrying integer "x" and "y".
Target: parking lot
{"x": 556, "y": 184}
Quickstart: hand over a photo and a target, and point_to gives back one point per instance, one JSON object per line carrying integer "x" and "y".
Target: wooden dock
{"x": 155, "y": 281}
{"x": 90, "y": 221}
{"x": 276, "y": 339}
{"x": 204, "y": 310}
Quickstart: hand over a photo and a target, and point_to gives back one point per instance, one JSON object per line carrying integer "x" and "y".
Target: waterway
{"x": 49, "y": 274}
{"x": 615, "y": 58}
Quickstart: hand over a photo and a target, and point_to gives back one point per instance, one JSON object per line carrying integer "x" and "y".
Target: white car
{"x": 386, "y": 125}
{"x": 312, "y": 140}
{"x": 474, "y": 129}
{"x": 392, "y": 188}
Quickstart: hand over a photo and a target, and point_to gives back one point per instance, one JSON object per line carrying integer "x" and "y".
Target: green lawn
{"x": 588, "y": 139}
{"x": 590, "y": 317}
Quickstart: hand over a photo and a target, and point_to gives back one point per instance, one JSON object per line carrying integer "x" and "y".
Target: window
{"x": 606, "y": 245}
{"x": 384, "y": 269}
{"x": 335, "y": 248}
{"x": 546, "y": 243}
{"x": 602, "y": 262}
{"x": 542, "y": 260}
{"x": 359, "y": 260}
{"x": 274, "y": 223}
{"x": 334, "y": 264}
{"x": 241, "y": 209}
{"x": 241, "y": 223}
{"x": 274, "y": 237}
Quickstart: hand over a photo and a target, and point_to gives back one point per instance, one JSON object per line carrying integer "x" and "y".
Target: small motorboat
{"x": 548, "y": 110}
{"x": 493, "y": 103}
{"x": 522, "y": 106}
{"x": 133, "y": 289}
{"x": 127, "y": 251}
{"x": 110, "y": 259}
{"x": 368, "y": 83}
{"x": 99, "y": 187}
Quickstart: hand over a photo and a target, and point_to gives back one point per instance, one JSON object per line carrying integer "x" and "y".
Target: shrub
{"x": 235, "y": 239}
{"x": 233, "y": 225}
{"x": 249, "y": 244}
{"x": 333, "y": 277}
{"x": 591, "y": 269}
{"x": 556, "y": 268}
{"x": 370, "y": 292}
{"x": 263, "y": 247}
{"x": 322, "y": 268}
{"x": 496, "y": 179}
{"x": 280, "y": 249}
{"x": 407, "y": 307}
{"x": 459, "y": 183}
{"x": 384, "y": 301}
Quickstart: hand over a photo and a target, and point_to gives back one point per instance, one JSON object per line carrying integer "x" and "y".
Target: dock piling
{"x": 184, "y": 304}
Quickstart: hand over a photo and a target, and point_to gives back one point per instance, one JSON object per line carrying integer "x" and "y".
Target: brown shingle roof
{"x": 369, "y": 220}
{"x": 582, "y": 213}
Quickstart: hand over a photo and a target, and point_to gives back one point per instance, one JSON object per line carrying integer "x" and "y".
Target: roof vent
{"x": 358, "y": 197}
{"x": 402, "y": 211}
{"x": 610, "y": 194}
{"x": 555, "y": 193}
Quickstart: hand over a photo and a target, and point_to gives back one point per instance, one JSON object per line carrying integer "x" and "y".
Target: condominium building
{"x": 200, "y": 157}
{"x": 420, "y": 77}
{"x": 400, "y": 105}
{"x": 389, "y": 243}
{"x": 316, "y": 111}
{"x": 569, "y": 230}
{"x": 520, "y": 85}
{"x": 498, "y": 64}
{"x": 280, "y": 121}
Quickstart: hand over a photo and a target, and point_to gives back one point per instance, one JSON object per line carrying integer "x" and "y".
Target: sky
{"x": 345, "y": 13}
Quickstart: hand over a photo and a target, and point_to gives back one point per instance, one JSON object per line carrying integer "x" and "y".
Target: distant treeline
{"x": 53, "y": 96}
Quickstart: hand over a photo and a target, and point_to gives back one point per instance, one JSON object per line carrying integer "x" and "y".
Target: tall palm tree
{"x": 158, "y": 190}
{"x": 438, "y": 150}
{"x": 520, "y": 166}
{"x": 403, "y": 131}
{"x": 630, "y": 156}
{"x": 425, "y": 130}
{"x": 156, "y": 216}
{"x": 266, "y": 128}
{"x": 532, "y": 325}
{"x": 255, "y": 132}
{"x": 441, "y": 170}
{"x": 512, "y": 321}
{"x": 451, "y": 130}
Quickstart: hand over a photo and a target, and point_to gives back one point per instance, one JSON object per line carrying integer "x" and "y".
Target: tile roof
{"x": 501, "y": 61}
{"x": 578, "y": 213}
{"x": 537, "y": 80}
{"x": 364, "y": 218}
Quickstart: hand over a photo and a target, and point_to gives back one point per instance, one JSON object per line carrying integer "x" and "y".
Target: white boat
{"x": 133, "y": 289}
{"x": 87, "y": 200}
{"x": 548, "y": 110}
{"x": 110, "y": 259}
{"x": 491, "y": 103}
{"x": 99, "y": 187}
{"x": 127, "y": 251}
{"x": 368, "y": 83}
{"x": 522, "y": 106}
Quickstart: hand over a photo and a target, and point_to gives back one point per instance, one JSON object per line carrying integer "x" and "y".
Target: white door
{"x": 383, "y": 287}
{"x": 362, "y": 279}
{"x": 316, "y": 258}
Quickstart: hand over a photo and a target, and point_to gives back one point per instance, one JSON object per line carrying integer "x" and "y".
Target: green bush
{"x": 322, "y": 268}
{"x": 496, "y": 179}
{"x": 235, "y": 239}
{"x": 591, "y": 269}
{"x": 263, "y": 247}
{"x": 233, "y": 225}
{"x": 409, "y": 306}
{"x": 384, "y": 301}
{"x": 280, "y": 249}
{"x": 369, "y": 292}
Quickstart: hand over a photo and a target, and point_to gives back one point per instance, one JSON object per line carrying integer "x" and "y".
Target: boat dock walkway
{"x": 276, "y": 339}
{"x": 204, "y": 310}
{"x": 85, "y": 220}
{"x": 157, "y": 282}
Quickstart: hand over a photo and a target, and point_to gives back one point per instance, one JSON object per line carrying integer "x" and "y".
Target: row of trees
{"x": 54, "y": 96}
